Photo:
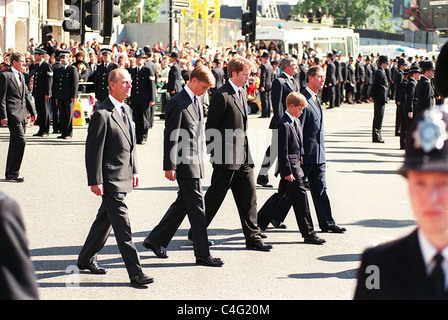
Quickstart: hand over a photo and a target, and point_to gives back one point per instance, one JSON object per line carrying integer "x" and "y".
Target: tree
{"x": 357, "y": 12}
{"x": 129, "y": 10}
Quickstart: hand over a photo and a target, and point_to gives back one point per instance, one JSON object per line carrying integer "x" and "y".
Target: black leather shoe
{"x": 335, "y": 229}
{"x": 16, "y": 179}
{"x": 314, "y": 239}
{"x": 278, "y": 224}
{"x": 263, "y": 181}
{"x": 148, "y": 244}
{"x": 93, "y": 268}
{"x": 141, "y": 280}
{"x": 209, "y": 261}
{"x": 210, "y": 242}
{"x": 258, "y": 246}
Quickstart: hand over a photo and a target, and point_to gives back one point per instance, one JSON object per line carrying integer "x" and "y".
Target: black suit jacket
{"x": 281, "y": 87}
{"x": 330, "y": 77}
{"x": 290, "y": 148}
{"x": 219, "y": 75}
{"x": 266, "y": 76}
{"x": 100, "y": 79}
{"x": 144, "y": 88}
{"x": 379, "y": 87}
{"x": 410, "y": 98}
{"x": 175, "y": 81}
{"x": 183, "y": 138}
{"x": 313, "y": 131}
{"x": 110, "y": 149}
{"x": 66, "y": 82}
{"x": 424, "y": 94}
{"x": 43, "y": 79}
{"x": 402, "y": 272}
{"x": 14, "y": 100}
{"x": 228, "y": 115}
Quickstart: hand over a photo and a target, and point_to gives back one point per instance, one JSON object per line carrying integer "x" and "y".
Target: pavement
{"x": 367, "y": 196}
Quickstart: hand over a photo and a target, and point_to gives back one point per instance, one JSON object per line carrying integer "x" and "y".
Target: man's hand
{"x": 290, "y": 178}
{"x": 135, "y": 180}
{"x": 97, "y": 189}
{"x": 170, "y": 175}
{"x": 4, "y": 121}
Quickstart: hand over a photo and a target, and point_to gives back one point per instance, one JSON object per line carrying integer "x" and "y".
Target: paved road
{"x": 367, "y": 196}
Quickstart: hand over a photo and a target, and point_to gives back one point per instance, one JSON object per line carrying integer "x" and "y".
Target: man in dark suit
{"x": 143, "y": 97}
{"x": 360, "y": 75}
{"x": 410, "y": 98}
{"x": 398, "y": 79}
{"x": 330, "y": 80}
{"x": 415, "y": 267}
{"x": 65, "y": 93}
{"x": 100, "y": 76}
{"x": 378, "y": 96}
{"x": 266, "y": 78}
{"x": 282, "y": 86}
{"x": 228, "y": 144}
{"x": 175, "y": 81}
{"x": 424, "y": 91}
{"x": 17, "y": 276}
{"x": 183, "y": 134}
{"x": 291, "y": 187}
{"x": 112, "y": 173}
{"x": 14, "y": 104}
{"x": 42, "y": 82}
{"x": 339, "y": 79}
{"x": 219, "y": 75}
{"x": 54, "y": 106}
{"x": 369, "y": 70}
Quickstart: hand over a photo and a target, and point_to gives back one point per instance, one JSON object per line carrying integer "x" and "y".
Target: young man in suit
{"x": 281, "y": 87}
{"x": 14, "y": 103}
{"x": 415, "y": 267}
{"x": 226, "y": 128}
{"x": 291, "y": 187}
{"x": 65, "y": 93}
{"x": 378, "y": 96}
{"x": 184, "y": 135}
{"x": 111, "y": 174}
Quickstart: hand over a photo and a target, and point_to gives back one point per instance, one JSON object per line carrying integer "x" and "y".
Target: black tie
{"x": 438, "y": 278}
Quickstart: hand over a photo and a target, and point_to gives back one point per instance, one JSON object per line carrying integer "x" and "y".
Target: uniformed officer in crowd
{"x": 54, "y": 106}
{"x": 66, "y": 92}
{"x": 143, "y": 96}
{"x": 339, "y": 79}
{"x": 330, "y": 80}
{"x": 175, "y": 81}
{"x": 266, "y": 79}
{"x": 398, "y": 79}
{"x": 379, "y": 97}
{"x": 360, "y": 75}
{"x": 369, "y": 69}
{"x": 219, "y": 75}
{"x": 102, "y": 73}
{"x": 404, "y": 118}
{"x": 42, "y": 84}
{"x": 424, "y": 91}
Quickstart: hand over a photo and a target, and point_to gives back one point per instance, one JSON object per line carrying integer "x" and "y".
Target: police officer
{"x": 370, "y": 71}
{"x": 102, "y": 73}
{"x": 360, "y": 75}
{"x": 65, "y": 94}
{"x": 379, "y": 97}
{"x": 398, "y": 79}
{"x": 54, "y": 105}
{"x": 143, "y": 96}
{"x": 424, "y": 90}
{"x": 330, "y": 80}
{"x": 43, "y": 79}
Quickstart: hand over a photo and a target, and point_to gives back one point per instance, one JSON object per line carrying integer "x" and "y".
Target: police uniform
{"x": 143, "y": 92}
{"x": 330, "y": 81}
{"x": 101, "y": 75}
{"x": 360, "y": 74}
{"x": 370, "y": 71}
{"x": 54, "y": 105}
{"x": 66, "y": 90}
{"x": 424, "y": 91}
{"x": 42, "y": 85}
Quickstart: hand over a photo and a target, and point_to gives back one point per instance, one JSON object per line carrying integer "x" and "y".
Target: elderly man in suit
{"x": 111, "y": 174}
{"x": 378, "y": 96}
{"x": 184, "y": 134}
{"x": 415, "y": 267}
{"x": 291, "y": 188}
{"x": 14, "y": 104}
{"x": 228, "y": 145}
{"x": 282, "y": 86}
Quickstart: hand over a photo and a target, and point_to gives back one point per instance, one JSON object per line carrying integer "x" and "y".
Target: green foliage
{"x": 357, "y": 10}
{"x": 129, "y": 10}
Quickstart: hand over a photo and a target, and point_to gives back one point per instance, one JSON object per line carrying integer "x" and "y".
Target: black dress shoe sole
{"x": 159, "y": 254}
{"x": 314, "y": 241}
{"x": 254, "y": 247}
{"x": 202, "y": 262}
{"x": 97, "y": 270}
{"x": 141, "y": 283}
{"x": 18, "y": 179}
{"x": 335, "y": 230}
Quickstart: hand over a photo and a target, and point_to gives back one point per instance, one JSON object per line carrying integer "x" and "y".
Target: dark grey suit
{"x": 183, "y": 133}
{"x": 14, "y": 103}
{"x": 110, "y": 160}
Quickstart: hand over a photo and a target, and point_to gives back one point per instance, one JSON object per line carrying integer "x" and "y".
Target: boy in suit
{"x": 290, "y": 152}
{"x": 183, "y": 133}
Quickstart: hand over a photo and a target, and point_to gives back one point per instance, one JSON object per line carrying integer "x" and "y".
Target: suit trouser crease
{"x": 242, "y": 184}
{"x": 113, "y": 213}
{"x": 190, "y": 202}
{"x": 16, "y": 148}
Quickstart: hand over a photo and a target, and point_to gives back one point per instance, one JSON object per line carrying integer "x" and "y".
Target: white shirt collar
{"x": 290, "y": 116}
{"x": 428, "y": 253}
{"x": 117, "y": 104}
{"x": 236, "y": 88}
{"x": 190, "y": 93}
{"x": 15, "y": 71}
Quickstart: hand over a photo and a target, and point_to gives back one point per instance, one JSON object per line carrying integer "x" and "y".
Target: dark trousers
{"x": 16, "y": 148}
{"x": 378, "y": 115}
{"x": 113, "y": 213}
{"x": 189, "y": 202}
{"x": 337, "y": 95}
{"x": 331, "y": 96}
{"x": 66, "y": 117}
{"x": 55, "y": 116}
{"x": 143, "y": 116}
{"x": 397, "y": 121}
{"x": 43, "y": 114}
{"x": 242, "y": 184}
{"x": 289, "y": 193}
{"x": 359, "y": 91}
{"x": 265, "y": 98}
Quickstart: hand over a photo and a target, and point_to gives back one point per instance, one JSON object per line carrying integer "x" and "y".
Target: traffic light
{"x": 74, "y": 21}
{"x": 92, "y": 18}
{"x": 111, "y": 10}
{"x": 46, "y": 32}
{"x": 249, "y": 20}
